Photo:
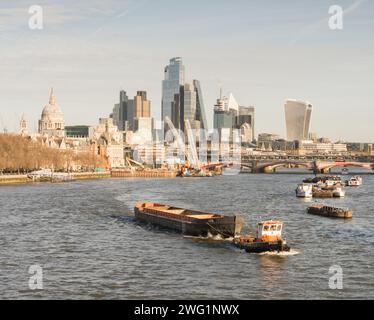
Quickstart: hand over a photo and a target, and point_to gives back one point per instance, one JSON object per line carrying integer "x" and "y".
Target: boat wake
{"x": 217, "y": 237}
{"x": 292, "y": 252}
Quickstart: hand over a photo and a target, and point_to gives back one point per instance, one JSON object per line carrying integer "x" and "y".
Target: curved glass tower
{"x": 298, "y": 114}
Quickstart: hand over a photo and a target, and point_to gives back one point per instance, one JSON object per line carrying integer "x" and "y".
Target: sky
{"x": 263, "y": 51}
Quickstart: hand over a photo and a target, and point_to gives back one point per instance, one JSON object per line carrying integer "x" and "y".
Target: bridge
{"x": 318, "y": 166}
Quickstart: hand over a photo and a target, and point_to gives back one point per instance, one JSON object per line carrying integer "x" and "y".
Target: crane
{"x": 179, "y": 139}
{"x": 192, "y": 145}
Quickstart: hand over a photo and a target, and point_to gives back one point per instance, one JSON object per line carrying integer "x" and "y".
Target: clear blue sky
{"x": 261, "y": 51}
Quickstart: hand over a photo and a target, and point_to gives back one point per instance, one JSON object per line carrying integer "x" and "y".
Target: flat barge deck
{"x": 188, "y": 222}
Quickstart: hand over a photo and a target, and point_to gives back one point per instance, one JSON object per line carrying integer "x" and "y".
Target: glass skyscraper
{"x": 173, "y": 80}
{"x": 298, "y": 114}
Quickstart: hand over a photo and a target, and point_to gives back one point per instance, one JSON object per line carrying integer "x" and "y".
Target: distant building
{"x": 245, "y": 121}
{"x": 266, "y": 141}
{"x": 142, "y": 107}
{"x": 310, "y": 147}
{"x": 52, "y": 121}
{"x": 228, "y": 114}
{"x": 298, "y": 114}
{"x": 77, "y": 131}
{"x": 109, "y": 142}
{"x": 23, "y": 127}
{"x": 127, "y": 110}
{"x": 182, "y": 101}
{"x": 174, "y": 76}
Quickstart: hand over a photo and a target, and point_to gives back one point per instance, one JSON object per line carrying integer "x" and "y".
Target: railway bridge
{"x": 318, "y": 166}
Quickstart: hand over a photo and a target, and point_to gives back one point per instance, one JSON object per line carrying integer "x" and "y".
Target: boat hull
{"x": 227, "y": 226}
{"x": 263, "y": 246}
{"x": 331, "y": 214}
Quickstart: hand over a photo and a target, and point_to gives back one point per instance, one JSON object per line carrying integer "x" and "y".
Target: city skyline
{"x": 263, "y": 61}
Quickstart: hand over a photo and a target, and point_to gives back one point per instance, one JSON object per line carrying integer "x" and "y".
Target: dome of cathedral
{"x": 51, "y": 111}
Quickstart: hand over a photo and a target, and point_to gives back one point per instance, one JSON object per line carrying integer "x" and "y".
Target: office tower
{"x": 127, "y": 110}
{"x": 245, "y": 120}
{"x": 173, "y": 79}
{"x": 188, "y": 105}
{"x": 142, "y": 107}
{"x": 298, "y": 114}
{"x": 200, "y": 109}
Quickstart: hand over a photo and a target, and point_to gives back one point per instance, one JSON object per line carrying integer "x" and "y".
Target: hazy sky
{"x": 261, "y": 51}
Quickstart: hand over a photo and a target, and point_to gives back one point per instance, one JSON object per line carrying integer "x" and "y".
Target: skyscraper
{"x": 200, "y": 108}
{"x": 188, "y": 106}
{"x": 298, "y": 114}
{"x": 246, "y": 120}
{"x": 127, "y": 110}
{"x": 173, "y": 79}
{"x": 142, "y": 107}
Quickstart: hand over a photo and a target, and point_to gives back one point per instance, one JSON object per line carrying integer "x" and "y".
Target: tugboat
{"x": 269, "y": 238}
{"x": 304, "y": 190}
{"x": 354, "y": 181}
{"x": 328, "y": 211}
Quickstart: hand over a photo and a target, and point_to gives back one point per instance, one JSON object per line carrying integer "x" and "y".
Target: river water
{"x": 84, "y": 237}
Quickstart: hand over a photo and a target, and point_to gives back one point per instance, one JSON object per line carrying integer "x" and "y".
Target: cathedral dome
{"x": 52, "y": 111}
{"x": 52, "y": 120}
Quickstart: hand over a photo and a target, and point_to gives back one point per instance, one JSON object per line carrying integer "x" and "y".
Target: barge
{"x": 188, "y": 222}
{"x": 269, "y": 238}
{"x": 328, "y": 211}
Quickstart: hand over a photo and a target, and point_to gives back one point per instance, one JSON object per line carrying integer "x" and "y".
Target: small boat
{"x": 336, "y": 191}
{"x": 328, "y": 211}
{"x": 304, "y": 190}
{"x": 269, "y": 238}
{"x": 324, "y": 180}
{"x": 354, "y": 181}
{"x": 188, "y": 222}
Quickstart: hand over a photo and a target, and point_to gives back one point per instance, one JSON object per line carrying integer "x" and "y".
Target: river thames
{"x": 84, "y": 237}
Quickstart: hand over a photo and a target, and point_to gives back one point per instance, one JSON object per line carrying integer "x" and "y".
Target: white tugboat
{"x": 354, "y": 181}
{"x": 304, "y": 190}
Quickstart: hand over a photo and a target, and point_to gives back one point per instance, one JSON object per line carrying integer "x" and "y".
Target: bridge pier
{"x": 268, "y": 170}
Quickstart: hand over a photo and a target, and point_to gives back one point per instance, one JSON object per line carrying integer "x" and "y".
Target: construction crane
{"x": 192, "y": 145}
{"x": 131, "y": 163}
{"x": 179, "y": 140}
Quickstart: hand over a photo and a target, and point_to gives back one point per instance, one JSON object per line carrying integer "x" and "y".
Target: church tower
{"x": 23, "y": 128}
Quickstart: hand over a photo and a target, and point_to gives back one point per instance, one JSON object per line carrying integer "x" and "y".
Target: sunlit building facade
{"x": 298, "y": 114}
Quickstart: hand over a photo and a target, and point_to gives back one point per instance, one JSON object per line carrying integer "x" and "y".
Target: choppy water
{"x": 85, "y": 238}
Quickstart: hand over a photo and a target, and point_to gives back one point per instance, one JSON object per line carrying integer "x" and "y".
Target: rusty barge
{"x": 188, "y": 222}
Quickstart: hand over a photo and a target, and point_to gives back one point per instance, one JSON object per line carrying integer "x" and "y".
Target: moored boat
{"x": 268, "y": 238}
{"x": 327, "y": 181}
{"x": 336, "y": 191}
{"x": 328, "y": 211}
{"x": 188, "y": 222}
{"x": 354, "y": 181}
{"x": 304, "y": 190}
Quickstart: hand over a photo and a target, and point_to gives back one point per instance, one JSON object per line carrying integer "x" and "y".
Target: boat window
{"x": 279, "y": 227}
{"x": 266, "y": 228}
{"x": 273, "y": 227}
